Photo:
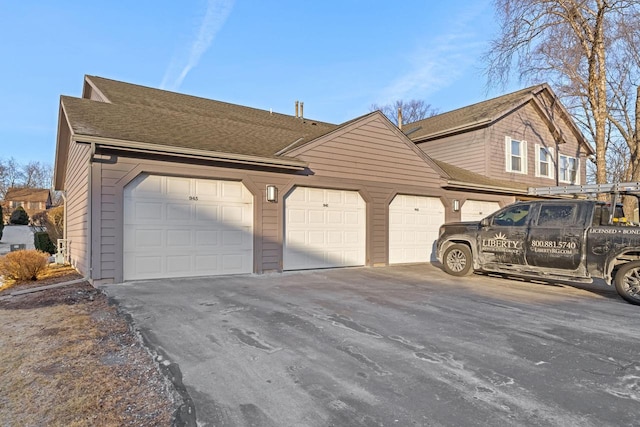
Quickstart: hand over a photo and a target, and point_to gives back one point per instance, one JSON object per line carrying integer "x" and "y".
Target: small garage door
{"x": 475, "y": 210}
{"x": 413, "y": 228}
{"x": 324, "y": 228}
{"x": 180, "y": 227}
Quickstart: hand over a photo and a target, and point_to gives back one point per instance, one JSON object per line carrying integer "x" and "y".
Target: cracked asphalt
{"x": 392, "y": 346}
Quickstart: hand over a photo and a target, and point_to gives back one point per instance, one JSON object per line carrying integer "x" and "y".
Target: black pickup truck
{"x": 562, "y": 240}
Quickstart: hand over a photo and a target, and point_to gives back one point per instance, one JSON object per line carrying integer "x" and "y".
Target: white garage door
{"x": 324, "y": 228}
{"x": 179, "y": 227}
{"x": 413, "y": 228}
{"x": 475, "y": 210}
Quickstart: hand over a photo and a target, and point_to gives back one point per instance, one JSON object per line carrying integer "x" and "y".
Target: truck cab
{"x": 568, "y": 240}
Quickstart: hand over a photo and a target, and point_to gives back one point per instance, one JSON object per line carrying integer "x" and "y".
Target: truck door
{"x": 502, "y": 237}
{"x": 555, "y": 237}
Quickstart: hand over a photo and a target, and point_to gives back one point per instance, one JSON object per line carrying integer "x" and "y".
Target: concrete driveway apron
{"x": 404, "y": 345}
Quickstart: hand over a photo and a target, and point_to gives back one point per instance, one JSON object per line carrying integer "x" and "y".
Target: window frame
{"x": 509, "y": 156}
{"x": 562, "y": 170}
{"x": 550, "y": 163}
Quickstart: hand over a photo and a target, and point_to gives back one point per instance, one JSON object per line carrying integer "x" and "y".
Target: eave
{"x": 142, "y": 147}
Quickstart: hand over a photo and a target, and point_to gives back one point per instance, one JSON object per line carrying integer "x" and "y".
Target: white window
{"x": 568, "y": 170}
{"x": 544, "y": 162}
{"x": 516, "y": 155}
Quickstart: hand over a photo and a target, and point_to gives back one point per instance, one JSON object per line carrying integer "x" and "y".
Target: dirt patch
{"x": 68, "y": 358}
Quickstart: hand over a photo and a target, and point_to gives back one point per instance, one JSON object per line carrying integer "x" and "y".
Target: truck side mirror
{"x": 485, "y": 222}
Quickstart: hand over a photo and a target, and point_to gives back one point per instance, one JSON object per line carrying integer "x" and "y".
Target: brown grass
{"x": 23, "y": 265}
{"x": 68, "y": 359}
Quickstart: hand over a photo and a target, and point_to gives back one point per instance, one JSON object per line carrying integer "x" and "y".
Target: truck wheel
{"x": 627, "y": 281}
{"x": 457, "y": 260}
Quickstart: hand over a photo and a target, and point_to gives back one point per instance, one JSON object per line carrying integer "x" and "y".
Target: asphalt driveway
{"x": 393, "y": 346}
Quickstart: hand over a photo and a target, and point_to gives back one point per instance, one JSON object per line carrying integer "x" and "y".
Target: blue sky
{"x": 338, "y": 57}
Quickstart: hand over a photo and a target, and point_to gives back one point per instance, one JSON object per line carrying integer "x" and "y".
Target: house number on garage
{"x": 194, "y": 198}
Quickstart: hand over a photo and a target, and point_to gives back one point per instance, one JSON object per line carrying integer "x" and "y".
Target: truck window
{"x": 514, "y": 216}
{"x": 557, "y": 215}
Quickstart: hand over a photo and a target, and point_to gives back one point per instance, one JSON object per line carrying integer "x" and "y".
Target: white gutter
{"x": 190, "y": 152}
{"x": 461, "y": 184}
{"x": 454, "y": 129}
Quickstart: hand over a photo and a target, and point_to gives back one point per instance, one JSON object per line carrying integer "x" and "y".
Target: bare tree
{"x": 31, "y": 175}
{"x": 412, "y": 110}
{"x": 10, "y": 175}
{"x": 36, "y": 175}
{"x": 568, "y": 43}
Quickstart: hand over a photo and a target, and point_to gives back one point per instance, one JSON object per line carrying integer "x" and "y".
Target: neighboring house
{"x": 159, "y": 184}
{"x": 33, "y": 200}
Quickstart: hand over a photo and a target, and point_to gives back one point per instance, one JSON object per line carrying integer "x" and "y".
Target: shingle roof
{"x": 477, "y": 114}
{"x": 27, "y": 194}
{"x": 462, "y": 176}
{"x": 147, "y": 115}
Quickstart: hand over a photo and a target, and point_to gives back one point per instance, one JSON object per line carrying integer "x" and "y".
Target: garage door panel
{"x": 147, "y": 264}
{"x": 475, "y": 210}
{"x": 232, "y": 214}
{"x": 188, "y": 224}
{"x": 204, "y": 263}
{"x": 178, "y": 187}
{"x": 151, "y": 186}
{"x": 232, "y": 190}
{"x": 206, "y": 212}
{"x": 207, "y": 238}
{"x": 315, "y": 238}
{"x": 331, "y": 233}
{"x": 178, "y": 238}
{"x": 178, "y": 264}
{"x": 177, "y": 212}
{"x": 413, "y": 228}
{"x": 316, "y": 217}
{"x": 145, "y": 211}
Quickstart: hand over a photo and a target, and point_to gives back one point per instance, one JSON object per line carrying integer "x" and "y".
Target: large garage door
{"x": 324, "y": 228}
{"x": 413, "y": 228}
{"x": 475, "y": 210}
{"x": 179, "y": 227}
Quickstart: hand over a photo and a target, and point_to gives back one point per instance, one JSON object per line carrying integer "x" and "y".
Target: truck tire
{"x": 627, "y": 281}
{"x": 457, "y": 260}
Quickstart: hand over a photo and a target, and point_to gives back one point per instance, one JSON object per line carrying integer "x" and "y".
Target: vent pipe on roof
{"x": 400, "y": 118}
{"x": 296, "y": 108}
{"x": 302, "y": 110}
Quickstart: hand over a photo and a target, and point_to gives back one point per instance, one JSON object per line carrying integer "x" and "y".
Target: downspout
{"x": 89, "y": 274}
{"x": 63, "y": 193}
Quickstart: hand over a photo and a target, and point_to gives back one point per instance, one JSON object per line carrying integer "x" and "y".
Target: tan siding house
{"x": 159, "y": 184}
{"x": 32, "y": 200}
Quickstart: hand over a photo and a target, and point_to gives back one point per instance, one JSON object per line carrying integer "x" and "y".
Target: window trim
{"x": 551, "y": 162}
{"x": 523, "y": 157}
{"x": 561, "y": 159}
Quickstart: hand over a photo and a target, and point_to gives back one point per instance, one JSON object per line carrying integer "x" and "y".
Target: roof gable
{"x": 488, "y": 112}
{"x": 366, "y": 146}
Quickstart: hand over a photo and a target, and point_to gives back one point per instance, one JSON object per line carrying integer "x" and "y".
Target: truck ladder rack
{"x": 620, "y": 187}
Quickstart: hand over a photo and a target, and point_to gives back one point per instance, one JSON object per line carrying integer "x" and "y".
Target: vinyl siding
{"x": 465, "y": 150}
{"x": 367, "y": 151}
{"x": 483, "y": 150}
{"x": 526, "y": 124}
{"x": 77, "y": 205}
